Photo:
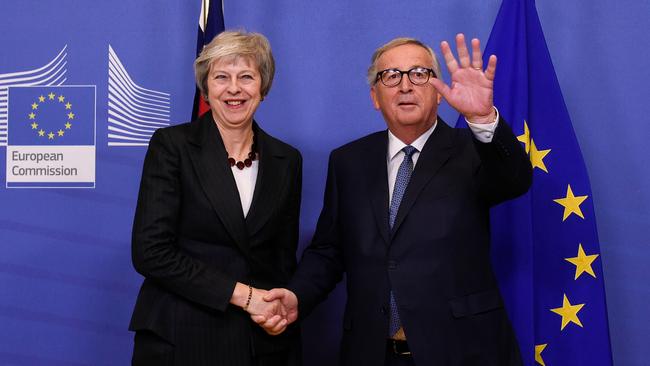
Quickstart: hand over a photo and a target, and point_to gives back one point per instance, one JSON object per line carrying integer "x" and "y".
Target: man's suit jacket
{"x": 436, "y": 259}
{"x": 192, "y": 243}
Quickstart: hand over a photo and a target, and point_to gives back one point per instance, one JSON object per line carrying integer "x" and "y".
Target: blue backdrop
{"x": 67, "y": 286}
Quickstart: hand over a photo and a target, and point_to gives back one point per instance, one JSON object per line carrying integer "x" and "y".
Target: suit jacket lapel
{"x": 209, "y": 158}
{"x": 271, "y": 177}
{"x": 377, "y": 174}
{"x": 435, "y": 153}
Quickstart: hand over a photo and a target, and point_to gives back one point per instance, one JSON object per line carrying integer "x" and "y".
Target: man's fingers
{"x": 491, "y": 69}
{"x": 461, "y": 48}
{"x": 282, "y": 310}
{"x": 273, "y": 294}
{"x": 272, "y": 322}
{"x": 477, "y": 55}
{"x": 452, "y": 65}
{"x": 280, "y": 327}
{"x": 440, "y": 86}
{"x": 273, "y": 326}
{"x": 259, "y": 319}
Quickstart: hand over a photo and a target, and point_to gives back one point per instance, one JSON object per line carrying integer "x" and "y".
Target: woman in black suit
{"x": 217, "y": 222}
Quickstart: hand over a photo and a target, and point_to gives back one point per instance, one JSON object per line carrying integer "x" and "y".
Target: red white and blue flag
{"x": 210, "y": 24}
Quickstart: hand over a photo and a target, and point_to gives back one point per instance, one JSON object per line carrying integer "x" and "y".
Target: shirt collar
{"x": 395, "y": 145}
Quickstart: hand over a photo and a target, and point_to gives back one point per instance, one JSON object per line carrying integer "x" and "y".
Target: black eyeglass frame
{"x": 408, "y": 74}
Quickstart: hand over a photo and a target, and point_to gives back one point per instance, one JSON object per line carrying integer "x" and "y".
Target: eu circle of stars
{"x": 40, "y": 128}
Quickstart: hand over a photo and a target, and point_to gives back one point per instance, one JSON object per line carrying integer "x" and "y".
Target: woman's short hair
{"x": 235, "y": 44}
{"x": 372, "y": 70}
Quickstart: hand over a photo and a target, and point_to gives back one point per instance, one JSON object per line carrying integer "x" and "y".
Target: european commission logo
{"x": 49, "y": 128}
{"x": 51, "y": 137}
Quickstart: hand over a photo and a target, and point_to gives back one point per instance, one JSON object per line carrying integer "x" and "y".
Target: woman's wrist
{"x": 240, "y": 295}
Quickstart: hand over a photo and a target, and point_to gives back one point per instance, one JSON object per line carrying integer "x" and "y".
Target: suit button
{"x": 383, "y": 310}
{"x": 392, "y": 264}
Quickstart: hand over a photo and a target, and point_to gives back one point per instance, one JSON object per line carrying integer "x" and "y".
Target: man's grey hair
{"x": 372, "y": 70}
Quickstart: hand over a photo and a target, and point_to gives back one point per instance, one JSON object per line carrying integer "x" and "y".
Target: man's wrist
{"x": 490, "y": 118}
{"x": 484, "y": 132}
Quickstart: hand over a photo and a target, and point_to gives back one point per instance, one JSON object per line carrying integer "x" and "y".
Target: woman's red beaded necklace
{"x": 252, "y": 156}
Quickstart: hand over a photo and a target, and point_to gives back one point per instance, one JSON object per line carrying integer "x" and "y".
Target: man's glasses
{"x": 417, "y": 76}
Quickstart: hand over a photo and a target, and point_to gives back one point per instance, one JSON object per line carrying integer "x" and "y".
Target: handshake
{"x": 273, "y": 310}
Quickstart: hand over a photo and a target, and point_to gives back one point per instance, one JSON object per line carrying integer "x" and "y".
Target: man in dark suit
{"x": 406, "y": 218}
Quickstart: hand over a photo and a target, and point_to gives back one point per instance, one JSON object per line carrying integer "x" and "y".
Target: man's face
{"x": 406, "y": 106}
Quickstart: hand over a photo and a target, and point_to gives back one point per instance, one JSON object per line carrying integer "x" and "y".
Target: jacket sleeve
{"x": 154, "y": 248}
{"x": 321, "y": 266}
{"x": 290, "y": 232}
{"x": 505, "y": 171}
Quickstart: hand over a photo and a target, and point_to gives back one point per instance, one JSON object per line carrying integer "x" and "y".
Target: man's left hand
{"x": 471, "y": 92}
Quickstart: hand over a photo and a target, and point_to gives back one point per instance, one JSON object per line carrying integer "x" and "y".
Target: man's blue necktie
{"x": 403, "y": 176}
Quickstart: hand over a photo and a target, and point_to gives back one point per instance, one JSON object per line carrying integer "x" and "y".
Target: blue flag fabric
{"x": 545, "y": 244}
{"x": 51, "y": 115}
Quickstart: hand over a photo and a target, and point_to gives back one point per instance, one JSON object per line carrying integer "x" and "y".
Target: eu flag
{"x": 51, "y": 115}
{"x": 545, "y": 245}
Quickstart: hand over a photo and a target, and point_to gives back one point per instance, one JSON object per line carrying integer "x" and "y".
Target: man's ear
{"x": 373, "y": 96}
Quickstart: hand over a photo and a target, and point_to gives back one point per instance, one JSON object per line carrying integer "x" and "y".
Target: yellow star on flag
{"x": 568, "y": 312}
{"x": 70, "y": 115}
{"x": 60, "y": 132}
{"x": 41, "y": 132}
{"x": 571, "y": 203}
{"x": 68, "y": 125}
{"x": 537, "y": 156}
{"x": 583, "y": 262}
{"x": 61, "y": 98}
{"x": 34, "y": 125}
{"x": 525, "y": 138}
{"x": 51, "y": 96}
{"x": 41, "y": 99}
{"x": 539, "y": 348}
{"x": 68, "y": 105}
{"x": 32, "y": 115}
{"x": 34, "y": 106}
{"x": 50, "y": 136}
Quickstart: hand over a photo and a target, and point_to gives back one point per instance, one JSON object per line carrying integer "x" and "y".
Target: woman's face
{"x": 234, "y": 91}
